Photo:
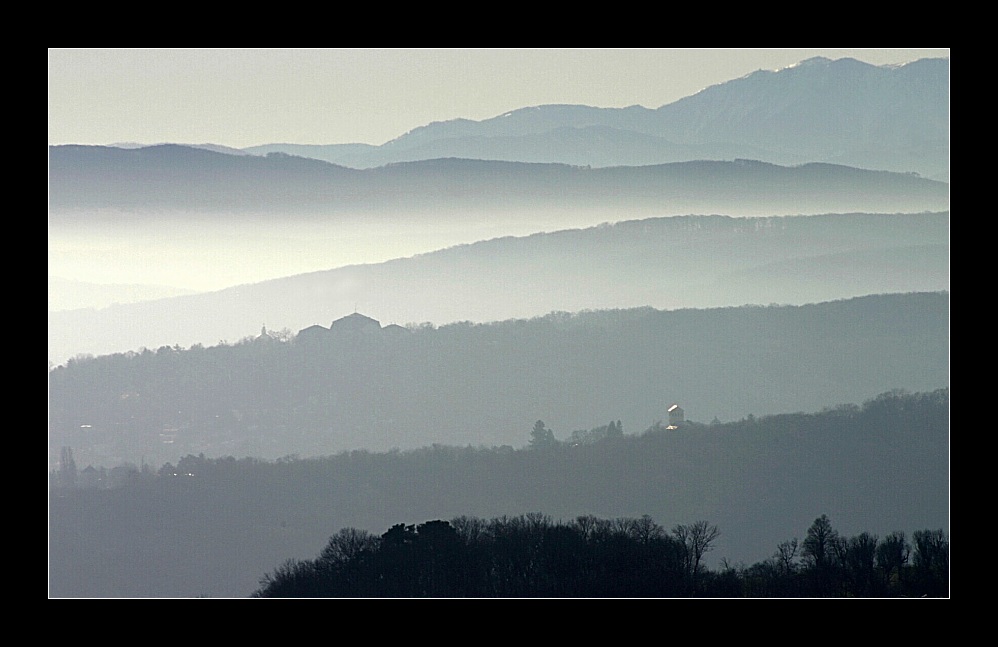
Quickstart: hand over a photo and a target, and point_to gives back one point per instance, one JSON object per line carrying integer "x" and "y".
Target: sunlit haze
{"x": 498, "y": 323}
{"x": 248, "y": 97}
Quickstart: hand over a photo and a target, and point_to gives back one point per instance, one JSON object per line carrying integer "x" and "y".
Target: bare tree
{"x": 786, "y": 551}
{"x": 647, "y": 530}
{"x": 818, "y": 546}
{"x": 931, "y": 561}
{"x": 284, "y": 334}
{"x": 346, "y": 545}
{"x": 861, "y": 554}
{"x": 892, "y": 555}
{"x": 623, "y": 526}
{"x": 820, "y": 551}
{"x": 586, "y": 525}
{"x": 697, "y": 539}
{"x": 471, "y": 530}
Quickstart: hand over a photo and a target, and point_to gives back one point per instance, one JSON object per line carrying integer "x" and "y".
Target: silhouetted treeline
{"x": 215, "y": 524}
{"x": 533, "y": 556}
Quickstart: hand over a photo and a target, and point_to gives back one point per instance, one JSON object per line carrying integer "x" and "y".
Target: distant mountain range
{"x": 889, "y": 117}
{"x": 817, "y": 110}
{"x": 208, "y": 147}
{"x": 842, "y": 111}
{"x": 162, "y": 180}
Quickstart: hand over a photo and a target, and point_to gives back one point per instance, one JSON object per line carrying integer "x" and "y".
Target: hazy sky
{"x": 245, "y": 97}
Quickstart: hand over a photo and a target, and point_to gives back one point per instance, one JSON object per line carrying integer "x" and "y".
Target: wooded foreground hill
{"x": 213, "y": 527}
{"x": 532, "y": 556}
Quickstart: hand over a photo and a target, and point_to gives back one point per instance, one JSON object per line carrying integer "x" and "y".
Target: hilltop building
{"x": 264, "y": 335}
{"x": 395, "y": 329}
{"x": 312, "y": 333}
{"x": 351, "y": 324}
{"x": 676, "y": 417}
{"x": 355, "y": 323}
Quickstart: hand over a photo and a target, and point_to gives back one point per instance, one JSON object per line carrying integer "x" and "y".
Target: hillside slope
{"x": 679, "y": 262}
{"x": 377, "y": 388}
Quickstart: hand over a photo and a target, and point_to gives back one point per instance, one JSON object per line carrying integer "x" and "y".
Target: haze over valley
{"x": 206, "y": 218}
{"x": 498, "y": 316}
{"x": 673, "y": 262}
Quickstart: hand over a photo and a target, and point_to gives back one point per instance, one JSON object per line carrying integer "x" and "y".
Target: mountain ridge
{"x": 817, "y": 110}
{"x": 171, "y": 177}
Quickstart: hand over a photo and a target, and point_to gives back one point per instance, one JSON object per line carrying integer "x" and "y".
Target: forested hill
{"x": 204, "y": 526}
{"x": 485, "y": 384}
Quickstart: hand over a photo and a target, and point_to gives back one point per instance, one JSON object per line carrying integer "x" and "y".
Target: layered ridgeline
{"x": 360, "y": 385}
{"x": 843, "y": 111}
{"x": 675, "y": 262}
{"x": 213, "y": 527}
{"x": 97, "y": 184}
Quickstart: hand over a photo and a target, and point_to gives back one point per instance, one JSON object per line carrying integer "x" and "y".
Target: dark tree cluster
{"x": 827, "y": 564}
{"x": 531, "y": 556}
{"x": 520, "y": 556}
{"x": 879, "y": 466}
